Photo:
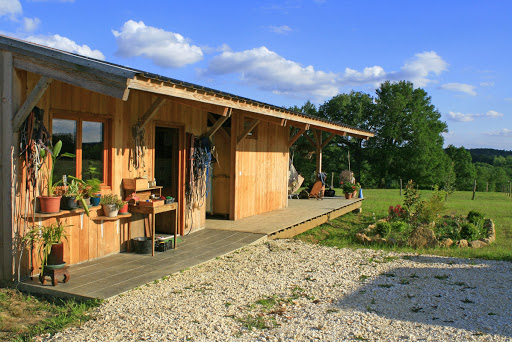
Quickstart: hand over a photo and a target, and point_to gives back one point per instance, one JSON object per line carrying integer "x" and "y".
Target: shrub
{"x": 383, "y": 228}
{"x": 427, "y": 211}
{"x": 396, "y": 213}
{"x": 448, "y": 228}
{"x": 476, "y": 218}
{"x": 469, "y": 231}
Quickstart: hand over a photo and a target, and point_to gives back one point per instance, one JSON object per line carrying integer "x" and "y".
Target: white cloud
{"x": 164, "y": 48}
{"x": 10, "y": 7}
{"x": 269, "y": 71}
{"x": 208, "y": 49}
{"x": 30, "y": 25}
{"x": 493, "y": 114}
{"x": 421, "y": 67}
{"x": 460, "y": 87}
{"x": 461, "y": 117}
{"x": 466, "y": 117}
{"x": 487, "y": 84}
{"x": 62, "y": 43}
{"x": 283, "y": 29}
{"x": 505, "y": 132}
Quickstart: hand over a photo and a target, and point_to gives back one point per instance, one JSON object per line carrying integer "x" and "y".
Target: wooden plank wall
{"x": 262, "y": 170}
{"x": 89, "y": 239}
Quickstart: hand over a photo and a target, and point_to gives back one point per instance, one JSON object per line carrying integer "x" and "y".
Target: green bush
{"x": 448, "y": 228}
{"x": 399, "y": 227}
{"x": 383, "y": 228}
{"x": 469, "y": 231}
{"x": 476, "y": 218}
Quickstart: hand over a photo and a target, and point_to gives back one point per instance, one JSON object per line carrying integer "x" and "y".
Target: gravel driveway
{"x": 286, "y": 290}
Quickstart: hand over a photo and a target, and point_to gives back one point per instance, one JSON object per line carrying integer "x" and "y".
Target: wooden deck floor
{"x": 118, "y": 273}
{"x": 300, "y": 215}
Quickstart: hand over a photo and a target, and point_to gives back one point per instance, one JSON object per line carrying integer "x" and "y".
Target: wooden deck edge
{"x": 297, "y": 229}
{"x": 52, "y": 291}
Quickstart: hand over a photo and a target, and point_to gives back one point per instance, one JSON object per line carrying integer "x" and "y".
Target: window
{"x": 87, "y": 139}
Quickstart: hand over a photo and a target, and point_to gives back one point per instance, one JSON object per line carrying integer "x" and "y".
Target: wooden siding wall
{"x": 88, "y": 238}
{"x": 261, "y": 176}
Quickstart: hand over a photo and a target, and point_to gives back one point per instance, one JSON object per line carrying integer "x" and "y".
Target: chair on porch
{"x": 318, "y": 190}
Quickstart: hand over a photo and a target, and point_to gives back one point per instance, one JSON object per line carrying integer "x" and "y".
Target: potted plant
{"x": 86, "y": 191}
{"x": 51, "y": 203}
{"x": 70, "y": 196}
{"x": 50, "y": 247}
{"x": 124, "y": 208}
{"x": 349, "y": 189}
{"x": 111, "y": 204}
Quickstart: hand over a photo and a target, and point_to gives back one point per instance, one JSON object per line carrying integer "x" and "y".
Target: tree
{"x": 408, "y": 140}
{"x": 354, "y": 109}
{"x": 465, "y": 172}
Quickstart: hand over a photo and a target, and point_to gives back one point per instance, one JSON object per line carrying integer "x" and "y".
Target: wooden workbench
{"x": 152, "y": 211}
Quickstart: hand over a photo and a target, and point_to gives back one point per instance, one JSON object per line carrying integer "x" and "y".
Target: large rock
{"x": 462, "y": 243}
{"x": 477, "y": 244}
{"x": 491, "y": 232}
{"x": 422, "y": 237}
{"x": 362, "y": 238}
{"x": 446, "y": 243}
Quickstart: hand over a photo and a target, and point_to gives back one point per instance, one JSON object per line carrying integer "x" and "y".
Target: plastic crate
{"x": 163, "y": 246}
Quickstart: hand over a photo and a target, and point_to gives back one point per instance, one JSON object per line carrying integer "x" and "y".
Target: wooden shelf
{"x": 64, "y": 212}
{"x": 106, "y": 218}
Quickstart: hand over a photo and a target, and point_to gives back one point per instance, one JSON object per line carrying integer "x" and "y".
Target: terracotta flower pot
{"x": 123, "y": 209}
{"x": 348, "y": 195}
{"x": 49, "y": 205}
{"x": 56, "y": 256}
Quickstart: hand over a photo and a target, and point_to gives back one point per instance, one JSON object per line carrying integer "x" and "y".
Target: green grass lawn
{"x": 497, "y": 206}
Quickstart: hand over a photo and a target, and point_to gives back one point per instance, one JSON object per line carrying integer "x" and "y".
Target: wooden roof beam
{"x": 150, "y": 113}
{"x": 328, "y": 140}
{"x": 310, "y": 140}
{"x": 248, "y": 130}
{"x": 296, "y": 136}
{"x": 32, "y": 99}
{"x": 221, "y": 129}
{"x": 219, "y": 123}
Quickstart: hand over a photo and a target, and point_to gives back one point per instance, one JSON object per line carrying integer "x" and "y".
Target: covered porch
{"x": 112, "y": 275}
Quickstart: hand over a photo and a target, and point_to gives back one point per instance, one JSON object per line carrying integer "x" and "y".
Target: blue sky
{"x": 287, "y": 52}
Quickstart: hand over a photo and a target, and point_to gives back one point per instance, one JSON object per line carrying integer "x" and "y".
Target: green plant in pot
{"x": 348, "y": 188}
{"x": 86, "y": 190}
{"x": 111, "y": 204}
{"x": 50, "y": 247}
{"x": 51, "y": 203}
{"x": 71, "y": 195}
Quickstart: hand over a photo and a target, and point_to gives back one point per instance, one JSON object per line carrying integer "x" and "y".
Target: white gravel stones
{"x": 287, "y": 290}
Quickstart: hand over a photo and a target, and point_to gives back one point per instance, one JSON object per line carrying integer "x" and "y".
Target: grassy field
{"x": 494, "y": 205}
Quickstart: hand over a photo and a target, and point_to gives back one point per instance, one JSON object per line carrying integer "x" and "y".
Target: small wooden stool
{"x": 54, "y": 273}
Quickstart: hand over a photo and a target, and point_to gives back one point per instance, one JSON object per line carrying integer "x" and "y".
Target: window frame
{"x": 107, "y": 140}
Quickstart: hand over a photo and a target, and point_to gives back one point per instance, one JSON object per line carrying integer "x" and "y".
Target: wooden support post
{"x": 318, "y": 136}
{"x": 474, "y": 190}
{"x": 30, "y": 102}
{"x": 233, "y": 169}
{"x": 487, "y": 187}
{"x": 6, "y": 115}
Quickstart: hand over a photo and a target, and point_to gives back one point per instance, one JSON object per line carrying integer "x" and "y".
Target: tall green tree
{"x": 465, "y": 172}
{"x": 354, "y": 109}
{"x": 408, "y": 140}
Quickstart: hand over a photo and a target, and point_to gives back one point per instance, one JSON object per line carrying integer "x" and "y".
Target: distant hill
{"x": 486, "y": 155}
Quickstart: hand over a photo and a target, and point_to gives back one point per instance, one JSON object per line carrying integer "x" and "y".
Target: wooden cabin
{"x": 124, "y": 123}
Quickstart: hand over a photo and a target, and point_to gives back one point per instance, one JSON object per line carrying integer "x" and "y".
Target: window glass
{"x": 64, "y": 130}
{"x": 92, "y": 150}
